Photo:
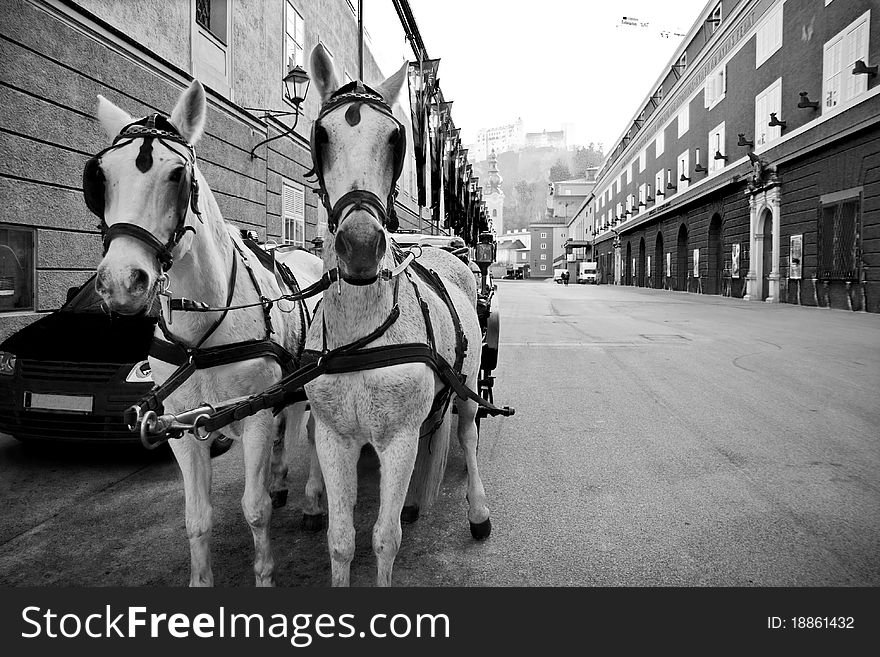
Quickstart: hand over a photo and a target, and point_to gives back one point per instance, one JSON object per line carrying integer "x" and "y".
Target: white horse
{"x": 156, "y": 210}
{"x": 357, "y": 148}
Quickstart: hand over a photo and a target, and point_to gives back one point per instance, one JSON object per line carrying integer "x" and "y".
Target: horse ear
{"x": 390, "y": 88}
{"x": 323, "y": 72}
{"x": 112, "y": 118}
{"x": 188, "y": 115}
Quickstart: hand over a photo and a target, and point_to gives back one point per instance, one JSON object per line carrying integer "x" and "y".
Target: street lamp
{"x": 296, "y": 86}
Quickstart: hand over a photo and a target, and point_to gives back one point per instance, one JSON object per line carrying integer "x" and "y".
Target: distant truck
{"x": 587, "y": 273}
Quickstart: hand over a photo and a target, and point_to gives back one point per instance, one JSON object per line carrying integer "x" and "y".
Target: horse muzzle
{"x": 360, "y": 249}
{"x": 126, "y": 291}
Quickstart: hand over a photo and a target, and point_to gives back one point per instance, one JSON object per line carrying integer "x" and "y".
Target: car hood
{"x": 84, "y": 337}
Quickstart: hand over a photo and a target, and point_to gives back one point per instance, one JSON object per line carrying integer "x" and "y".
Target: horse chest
{"x": 370, "y": 403}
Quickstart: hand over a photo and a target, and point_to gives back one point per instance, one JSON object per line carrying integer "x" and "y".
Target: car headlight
{"x": 7, "y": 363}
{"x": 140, "y": 373}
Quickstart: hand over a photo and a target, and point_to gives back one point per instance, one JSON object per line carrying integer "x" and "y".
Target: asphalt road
{"x": 659, "y": 439}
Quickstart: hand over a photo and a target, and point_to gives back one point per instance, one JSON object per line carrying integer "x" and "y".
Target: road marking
{"x": 578, "y": 345}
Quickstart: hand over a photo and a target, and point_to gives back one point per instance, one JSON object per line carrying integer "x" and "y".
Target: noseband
{"x": 149, "y": 128}
{"x": 357, "y": 199}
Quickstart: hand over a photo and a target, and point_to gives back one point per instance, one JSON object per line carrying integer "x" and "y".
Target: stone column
{"x": 772, "y": 198}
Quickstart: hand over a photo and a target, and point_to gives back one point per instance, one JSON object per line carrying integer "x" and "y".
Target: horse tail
{"x": 430, "y": 465}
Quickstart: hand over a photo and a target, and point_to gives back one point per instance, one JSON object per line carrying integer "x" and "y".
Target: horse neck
{"x": 351, "y": 312}
{"x": 203, "y": 272}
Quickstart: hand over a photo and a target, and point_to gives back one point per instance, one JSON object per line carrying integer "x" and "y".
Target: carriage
{"x": 379, "y": 342}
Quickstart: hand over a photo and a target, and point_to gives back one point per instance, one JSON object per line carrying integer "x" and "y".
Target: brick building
{"x": 752, "y": 167}
{"x": 59, "y": 54}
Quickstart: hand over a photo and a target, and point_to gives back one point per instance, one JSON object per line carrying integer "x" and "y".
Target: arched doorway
{"x": 716, "y": 256}
{"x": 766, "y": 250}
{"x": 627, "y": 266}
{"x": 681, "y": 260}
{"x": 640, "y": 272}
{"x": 659, "y": 262}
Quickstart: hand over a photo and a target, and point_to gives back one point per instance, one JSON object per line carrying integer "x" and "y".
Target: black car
{"x": 71, "y": 375}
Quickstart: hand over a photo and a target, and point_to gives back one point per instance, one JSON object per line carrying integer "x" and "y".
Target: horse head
{"x": 358, "y": 147}
{"x": 144, "y": 189}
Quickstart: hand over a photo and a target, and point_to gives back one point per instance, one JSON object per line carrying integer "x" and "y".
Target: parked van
{"x": 557, "y": 275}
{"x": 587, "y": 273}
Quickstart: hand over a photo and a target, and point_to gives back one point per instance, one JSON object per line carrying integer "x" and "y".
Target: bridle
{"x": 149, "y": 128}
{"x": 357, "y": 94}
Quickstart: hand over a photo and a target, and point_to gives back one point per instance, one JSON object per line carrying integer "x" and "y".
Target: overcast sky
{"x": 549, "y": 62}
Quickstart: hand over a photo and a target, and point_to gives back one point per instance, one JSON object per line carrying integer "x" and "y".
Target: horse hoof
{"x": 279, "y": 498}
{"x": 409, "y": 514}
{"x": 312, "y": 522}
{"x": 481, "y": 530}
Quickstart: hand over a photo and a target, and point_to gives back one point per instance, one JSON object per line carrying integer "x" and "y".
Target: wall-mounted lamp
{"x": 743, "y": 141}
{"x": 860, "y": 68}
{"x": 296, "y": 86}
{"x": 775, "y": 121}
{"x": 684, "y": 178}
{"x": 698, "y": 167}
{"x": 719, "y": 156}
{"x": 806, "y": 103}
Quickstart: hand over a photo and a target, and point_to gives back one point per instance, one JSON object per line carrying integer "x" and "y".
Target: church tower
{"x": 494, "y": 197}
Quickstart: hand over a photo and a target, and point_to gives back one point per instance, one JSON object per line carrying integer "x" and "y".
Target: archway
{"x": 765, "y": 261}
{"x": 640, "y": 272}
{"x": 659, "y": 262}
{"x": 627, "y": 266}
{"x": 716, "y": 257}
{"x": 681, "y": 260}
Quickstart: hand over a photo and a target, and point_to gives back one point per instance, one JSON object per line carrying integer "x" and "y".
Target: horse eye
{"x": 321, "y": 136}
{"x": 176, "y": 175}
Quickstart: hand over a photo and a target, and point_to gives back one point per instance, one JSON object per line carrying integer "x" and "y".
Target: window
{"x": 16, "y": 268}
{"x": 683, "y": 168}
{"x": 716, "y": 87}
{"x": 658, "y": 95}
{"x": 684, "y": 119}
{"x": 839, "y": 237}
{"x": 628, "y": 173}
{"x": 543, "y": 235}
{"x": 619, "y": 182}
{"x": 659, "y": 186}
{"x": 642, "y": 194}
{"x": 294, "y": 38}
{"x": 714, "y": 19}
{"x": 211, "y": 50}
{"x": 494, "y": 212}
{"x": 543, "y": 256}
{"x": 717, "y": 149}
{"x": 293, "y": 208}
{"x": 768, "y": 38}
{"x": 767, "y": 102}
{"x": 683, "y": 61}
{"x": 839, "y": 85}
{"x": 211, "y": 15}
{"x": 543, "y": 267}
{"x": 543, "y": 245}
{"x": 660, "y": 143}
{"x": 643, "y": 157}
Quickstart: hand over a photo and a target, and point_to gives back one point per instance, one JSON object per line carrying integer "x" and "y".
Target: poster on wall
{"x": 649, "y": 265}
{"x": 795, "y": 256}
{"x": 734, "y": 260}
{"x": 668, "y": 264}
{"x": 696, "y": 263}
{"x": 633, "y": 270}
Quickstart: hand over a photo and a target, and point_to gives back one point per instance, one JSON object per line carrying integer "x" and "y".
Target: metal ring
{"x": 199, "y": 431}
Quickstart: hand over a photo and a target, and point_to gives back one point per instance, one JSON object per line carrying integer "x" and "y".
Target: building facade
{"x": 500, "y": 139}
{"x": 547, "y": 239}
{"x": 752, "y": 167}
{"x": 59, "y": 55}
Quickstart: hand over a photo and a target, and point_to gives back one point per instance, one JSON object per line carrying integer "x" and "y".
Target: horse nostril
{"x": 139, "y": 280}
{"x": 342, "y": 247}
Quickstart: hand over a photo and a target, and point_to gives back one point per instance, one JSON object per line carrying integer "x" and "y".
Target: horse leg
{"x": 339, "y": 464}
{"x": 256, "y": 503}
{"x": 314, "y": 507}
{"x": 288, "y": 419}
{"x": 478, "y": 510}
{"x": 194, "y": 459}
{"x": 397, "y": 459}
